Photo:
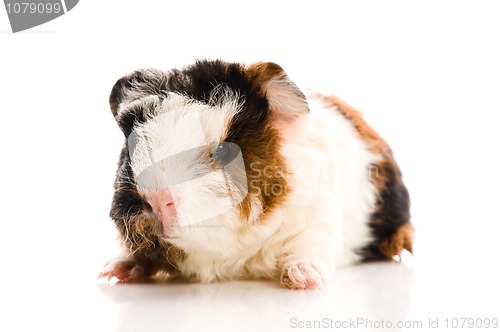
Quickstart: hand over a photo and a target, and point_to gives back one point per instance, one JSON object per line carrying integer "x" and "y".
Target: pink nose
{"x": 163, "y": 206}
{"x": 162, "y": 202}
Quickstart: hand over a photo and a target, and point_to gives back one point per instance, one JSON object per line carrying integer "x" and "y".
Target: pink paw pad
{"x": 302, "y": 276}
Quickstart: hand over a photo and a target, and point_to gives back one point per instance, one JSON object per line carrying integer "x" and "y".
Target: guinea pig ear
{"x": 146, "y": 86}
{"x": 138, "y": 84}
{"x": 289, "y": 108}
{"x": 117, "y": 94}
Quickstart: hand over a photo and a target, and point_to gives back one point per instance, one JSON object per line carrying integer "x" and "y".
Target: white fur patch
{"x": 178, "y": 125}
{"x": 332, "y": 185}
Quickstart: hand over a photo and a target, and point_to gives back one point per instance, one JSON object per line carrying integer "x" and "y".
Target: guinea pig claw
{"x": 113, "y": 281}
{"x": 108, "y": 280}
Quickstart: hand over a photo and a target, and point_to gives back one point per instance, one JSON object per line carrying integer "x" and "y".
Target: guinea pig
{"x": 229, "y": 171}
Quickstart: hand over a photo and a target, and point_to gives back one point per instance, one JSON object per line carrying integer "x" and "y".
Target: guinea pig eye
{"x": 224, "y": 153}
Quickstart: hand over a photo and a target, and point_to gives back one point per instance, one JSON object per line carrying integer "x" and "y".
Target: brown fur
{"x": 265, "y": 168}
{"x": 264, "y": 176}
{"x": 263, "y": 72}
{"x": 402, "y": 239}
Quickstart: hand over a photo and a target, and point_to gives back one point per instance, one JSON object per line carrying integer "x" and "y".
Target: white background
{"x": 425, "y": 74}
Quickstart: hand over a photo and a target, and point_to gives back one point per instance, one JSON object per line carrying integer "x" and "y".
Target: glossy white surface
{"x": 364, "y": 298}
{"x": 425, "y": 75}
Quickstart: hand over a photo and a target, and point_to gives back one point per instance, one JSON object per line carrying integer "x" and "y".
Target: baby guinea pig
{"x": 229, "y": 171}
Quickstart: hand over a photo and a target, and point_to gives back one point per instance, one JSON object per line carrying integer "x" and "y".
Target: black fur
{"x": 126, "y": 203}
{"x": 125, "y": 200}
{"x": 198, "y": 81}
{"x": 392, "y": 213}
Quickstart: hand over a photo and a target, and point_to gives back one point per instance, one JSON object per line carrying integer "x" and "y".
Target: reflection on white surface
{"x": 370, "y": 292}
{"x": 358, "y": 298}
{"x": 369, "y": 297}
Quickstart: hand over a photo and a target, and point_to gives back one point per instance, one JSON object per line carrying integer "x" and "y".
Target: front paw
{"x": 122, "y": 270}
{"x": 302, "y": 276}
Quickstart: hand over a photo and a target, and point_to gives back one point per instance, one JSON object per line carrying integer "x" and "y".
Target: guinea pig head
{"x": 203, "y": 144}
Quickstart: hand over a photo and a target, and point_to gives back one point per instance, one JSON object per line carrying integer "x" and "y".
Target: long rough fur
{"x": 323, "y": 187}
